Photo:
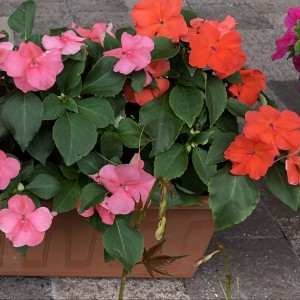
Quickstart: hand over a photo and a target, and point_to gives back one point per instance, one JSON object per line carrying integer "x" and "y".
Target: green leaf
{"x": 70, "y": 104}
{"x": 98, "y": 110}
{"x": 204, "y": 170}
{"x": 231, "y": 198}
{"x": 186, "y": 102}
{"x": 138, "y": 80}
{"x": 102, "y": 80}
{"x": 160, "y": 123}
{"x": 131, "y": 134}
{"x": 189, "y": 199}
{"x": 22, "y": 19}
{"x": 164, "y": 48}
{"x": 118, "y": 240}
{"x": 70, "y": 77}
{"x": 49, "y": 169}
{"x": 120, "y": 31}
{"x": 3, "y": 129}
{"x": 297, "y": 48}
{"x": 69, "y": 172}
{"x": 22, "y": 115}
{"x": 202, "y": 138}
{"x": 91, "y": 195}
{"x": 278, "y": 184}
{"x": 95, "y": 50}
{"x": 22, "y": 250}
{"x": 216, "y": 98}
{"x": 26, "y": 170}
{"x": 111, "y": 145}
{"x": 42, "y": 145}
{"x": 188, "y": 15}
{"x": 191, "y": 181}
{"x": 238, "y": 108}
{"x": 173, "y": 199}
{"x": 53, "y": 107}
{"x": 235, "y": 78}
{"x": 91, "y": 164}
{"x": 44, "y": 186}
{"x": 96, "y": 223}
{"x": 196, "y": 79}
{"x": 74, "y": 136}
{"x": 110, "y": 42}
{"x": 171, "y": 163}
{"x": 67, "y": 196}
{"x": 227, "y": 122}
{"x": 220, "y": 144}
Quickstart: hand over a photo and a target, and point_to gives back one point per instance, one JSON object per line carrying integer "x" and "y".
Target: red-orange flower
{"x": 156, "y": 69}
{"x": 269, "y": 125}
{"x": 292, "y": 166}
{"x": 253, "y": 82}
{"x": 249, "y": 157}
{"x": 159, "y": 18}
{"x": 220, "y": 52}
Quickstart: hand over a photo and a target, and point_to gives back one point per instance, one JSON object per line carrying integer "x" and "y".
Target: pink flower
{"x": 96, "y": 33}
{"x": 5, "y": 48}
{"x": 9, "y": 168}
{"x": 292, "y": 17}
{"x": 22, "y": 223}
{"x": 68, "y": 42}
{"x": 283, "y": 43}
{"x": 134, "y": 54}
{"x": 32, "y": 69}
{"x": 105, "y": 214}
{"x": 128, "y": 185}
{"x": 2, "y": 35}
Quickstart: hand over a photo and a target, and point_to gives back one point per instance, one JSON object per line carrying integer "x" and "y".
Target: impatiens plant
{"x": 109, "y": 122}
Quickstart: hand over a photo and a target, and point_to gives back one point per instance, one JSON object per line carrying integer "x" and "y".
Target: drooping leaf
{"x": 216, "y": 98}
{"x": 22, "y": 19}
{"x": 231, "y": 198}
{"x": 277, "y": 183}
{"x": 205, "y": 171}
{"x": 74, "y": 136}
{"x": 188, "y": 15}
{"x": 160, "y": 123}
{"x": 44, "y": 186}
{"x": 171, "y": 163}
{"x": 186, "y": 103}
{"x": 67, "y": 196}
{"x": 118, "y": 240}
{"x": 102, "y": 80}
{"x": 22, "y": 115}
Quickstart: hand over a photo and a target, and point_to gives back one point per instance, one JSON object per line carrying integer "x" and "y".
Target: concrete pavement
{"x": 264, "y": 251}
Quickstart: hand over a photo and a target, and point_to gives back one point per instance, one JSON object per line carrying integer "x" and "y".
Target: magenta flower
{"x": 22, "y": 223}
{"x": 9, "y": 168}
{"x": 5, "y": 48}
{"x": 32, "y": 69}
{"x": 134, "y": 54}
{"x": 68, "y": 42}
{"x": 128, "y": 185}
{"x": 289, "y": 38}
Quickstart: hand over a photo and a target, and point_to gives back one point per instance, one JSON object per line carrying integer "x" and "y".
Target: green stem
{"x": 122, "y": 286}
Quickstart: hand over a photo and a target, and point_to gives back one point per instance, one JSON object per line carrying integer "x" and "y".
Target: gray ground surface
{"x": 264, "y": 251}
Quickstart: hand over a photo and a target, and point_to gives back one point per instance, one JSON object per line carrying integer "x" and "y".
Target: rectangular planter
{"x": 73, "y": 248}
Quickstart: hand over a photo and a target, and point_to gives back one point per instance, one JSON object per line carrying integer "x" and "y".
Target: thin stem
{"x": 227, "y": 275}
{"x": 122, "y": 286}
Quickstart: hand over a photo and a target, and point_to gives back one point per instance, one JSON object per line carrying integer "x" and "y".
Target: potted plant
{"x": 110, "y": 123}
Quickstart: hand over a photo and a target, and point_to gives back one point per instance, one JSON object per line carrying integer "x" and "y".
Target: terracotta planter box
{"x": 72, "y": 248}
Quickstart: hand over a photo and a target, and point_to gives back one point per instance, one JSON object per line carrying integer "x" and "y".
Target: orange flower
{"x": 196, "y": 24}
{"x": 292, "y": 166}
{"x": 249, "y": 157}
{"x": 253, "y": 83}
{"x": 156, "y": 69}
{"x": 220, "y": 52}
{"x": 159, "y": 18}
{"x": 271, "y": 126}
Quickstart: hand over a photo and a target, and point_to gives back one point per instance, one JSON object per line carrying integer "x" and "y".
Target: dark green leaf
{"x": 69, "y": 172}
{"x": 196, "y": 79}
{"x": 138, "y": 80}
{"x": 111, "y": 145}
{"x": 202, "y": 138}
{"x": 235, "y": 78}
{"x": 22, "y": 250}
{"x": 110, "y": 42}
{"x": 231, "y": 198}
{"x": 22, "y": 115}
{"x": 278, "y": 184}
{"x": 118, "y": 240}
{"x": 67, "y": 197}
{"x": 26, "y": 170}
{"x": 188, "y": 15}
{"x": 94, "y": 49}
{"x": 96, "y": 223}
{"x": 53, "y": 107}
{"x": 227, "y": 122}
{"x": 164, "y": 48}
{"x": 44, "y": 186}
{"x": 171, "y": 163}
{"x": 238, "y": 108}
{"x": 91, "y": 164}
{"x": 120, "y": 31}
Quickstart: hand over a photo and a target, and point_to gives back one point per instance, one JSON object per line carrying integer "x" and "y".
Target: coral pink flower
{"x": 271, "y": 126}
{"x": 292, "y": 166}
{"x": 2, "y": 35}
{"x": 105, "y": 214}
{"x": 253, "y": 83}
{"x": 9, "y": 168}
{"x": 5, "y": 48}
{"x": 127, "y": 185}
{"x": 96, "y": 33}
{"x": 22, "y": 223}
{"x": 68, "y": 42}
{"x": 250, "y": 157}
{"x": 159, "y": 18}
{"x": 32, "y": 69}
{"x": 134, "y": 54}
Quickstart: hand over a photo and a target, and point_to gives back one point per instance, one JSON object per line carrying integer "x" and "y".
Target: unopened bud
{"x": 20, "y": 187}
{"x": 161, "y": 229}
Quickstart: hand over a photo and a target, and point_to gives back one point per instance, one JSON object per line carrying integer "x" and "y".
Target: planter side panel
{"x": 72, "y": 248}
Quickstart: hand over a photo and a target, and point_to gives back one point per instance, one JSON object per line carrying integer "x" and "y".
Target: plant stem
{"x": 122, "y": 286}
{"x": 227, "y": 275}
